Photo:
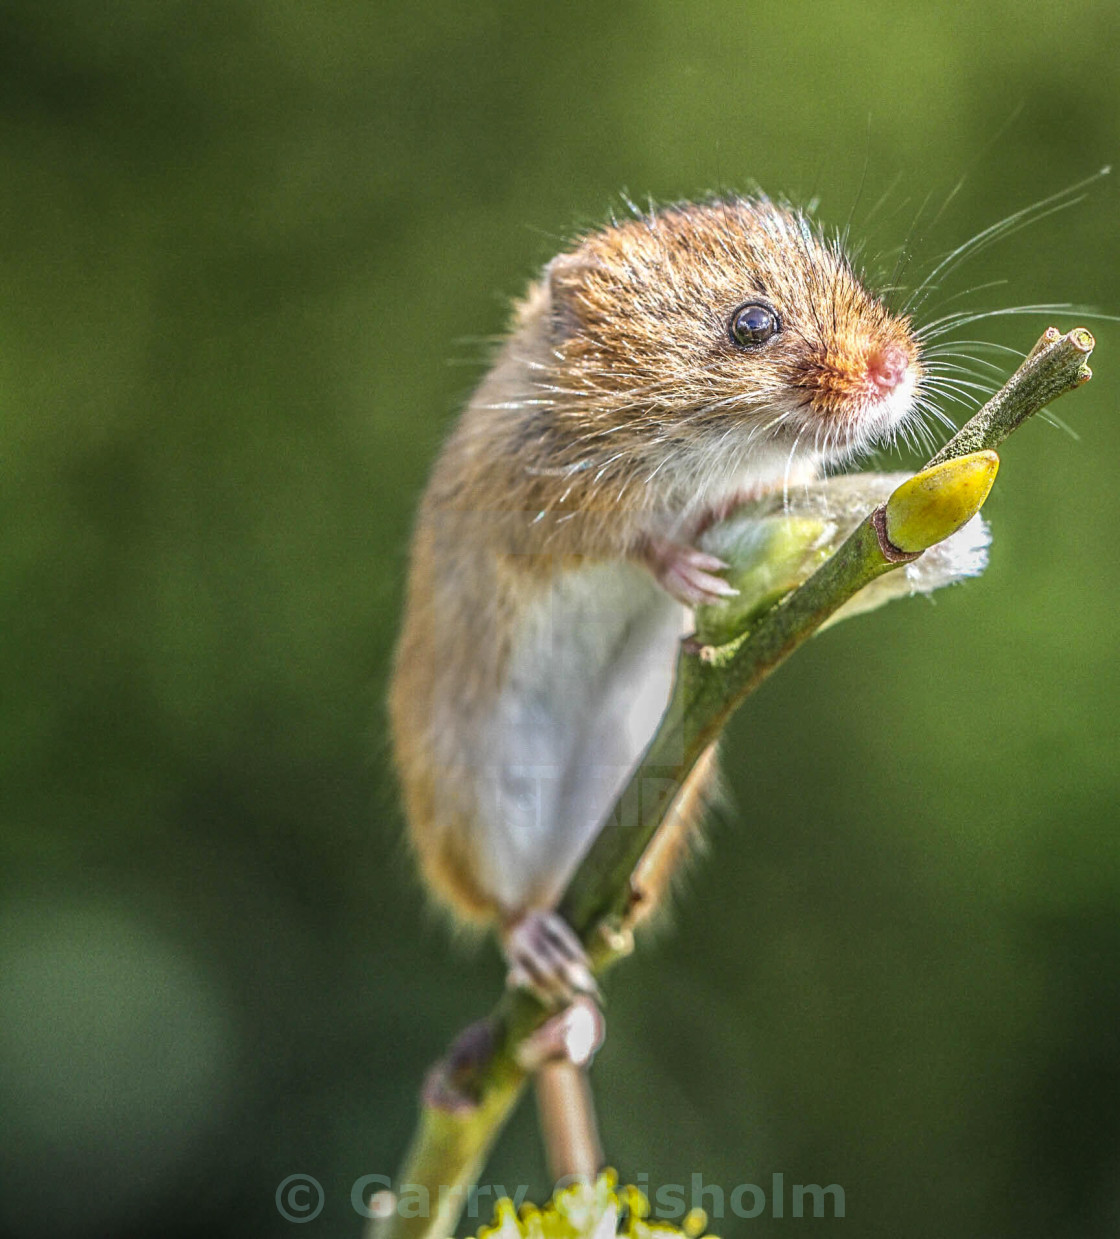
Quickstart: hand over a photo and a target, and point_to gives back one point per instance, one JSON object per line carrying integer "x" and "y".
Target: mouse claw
{"x": 546, "y": 958}
{"x": 686, "y": 573}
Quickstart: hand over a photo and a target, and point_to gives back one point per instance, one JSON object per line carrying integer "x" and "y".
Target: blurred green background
{"x": 248, "y": 252}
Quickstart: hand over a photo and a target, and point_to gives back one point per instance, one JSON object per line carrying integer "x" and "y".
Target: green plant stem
{"x": 449, "y": 1148}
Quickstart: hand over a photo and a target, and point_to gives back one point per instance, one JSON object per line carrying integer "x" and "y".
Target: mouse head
{"x": 734, "y": 322}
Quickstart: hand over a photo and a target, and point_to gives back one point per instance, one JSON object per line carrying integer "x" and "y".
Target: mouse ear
{"x": 566, "y": 280}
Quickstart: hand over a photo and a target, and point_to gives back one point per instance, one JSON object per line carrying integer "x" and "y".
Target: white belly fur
{"x": 589, "y": 680}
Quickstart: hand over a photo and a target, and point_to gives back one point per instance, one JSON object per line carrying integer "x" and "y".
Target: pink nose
{"x": 886, "y": 367}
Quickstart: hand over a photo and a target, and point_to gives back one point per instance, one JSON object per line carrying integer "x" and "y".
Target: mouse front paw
{"x": 686, "y": 573}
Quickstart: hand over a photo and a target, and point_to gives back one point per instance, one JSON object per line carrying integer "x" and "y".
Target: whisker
{"x": 967, "y": 292}
{"x": 962, "y": 319}
{"x": 1010, "y": 224}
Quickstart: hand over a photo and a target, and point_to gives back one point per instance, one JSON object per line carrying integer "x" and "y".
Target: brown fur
{"x": 616, "y": 406}
{"x": 674, "y": 839}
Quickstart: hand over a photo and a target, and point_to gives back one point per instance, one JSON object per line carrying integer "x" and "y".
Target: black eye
{"x": 753, "y": 324}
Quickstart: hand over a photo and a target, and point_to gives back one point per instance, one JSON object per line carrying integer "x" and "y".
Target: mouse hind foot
{"x": 547, "y": 959}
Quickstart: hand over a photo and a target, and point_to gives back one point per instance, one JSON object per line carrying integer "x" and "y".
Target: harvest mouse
{"x": 663, "y": 370}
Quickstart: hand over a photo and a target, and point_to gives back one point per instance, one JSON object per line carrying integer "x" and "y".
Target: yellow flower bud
{"x": 935, "y": 503}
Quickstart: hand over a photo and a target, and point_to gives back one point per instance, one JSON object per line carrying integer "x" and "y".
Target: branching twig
{"x": 449, "y": 1147}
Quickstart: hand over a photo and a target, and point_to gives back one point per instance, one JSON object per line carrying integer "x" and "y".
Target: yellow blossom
{"x": 599, "y": 1210}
